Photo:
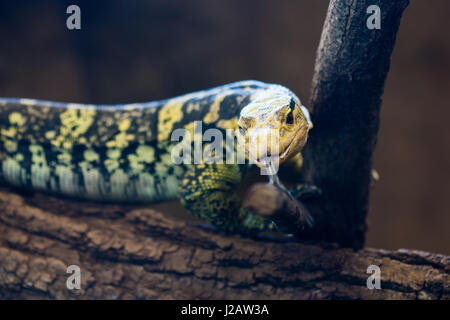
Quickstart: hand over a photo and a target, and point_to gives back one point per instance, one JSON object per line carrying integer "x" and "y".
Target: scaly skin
{"x": 122, "y": 153}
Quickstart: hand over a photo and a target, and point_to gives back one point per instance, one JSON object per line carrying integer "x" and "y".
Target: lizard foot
{"x": 305, "y": 192}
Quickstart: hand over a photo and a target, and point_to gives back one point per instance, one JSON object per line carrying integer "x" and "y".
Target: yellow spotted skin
{"x": 122, "y": 153}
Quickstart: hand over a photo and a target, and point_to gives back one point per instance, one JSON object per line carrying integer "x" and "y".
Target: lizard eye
{"x": 242, "y": 131}
{"x": 292, "y": 105}
{"x": 290, "y": 118}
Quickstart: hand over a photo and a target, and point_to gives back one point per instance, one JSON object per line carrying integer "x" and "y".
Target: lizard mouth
{"x": 286, "y": 151}
{"x": 280, "y": 157}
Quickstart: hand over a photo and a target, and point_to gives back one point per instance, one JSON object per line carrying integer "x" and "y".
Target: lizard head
{"x": 274, "y": 124}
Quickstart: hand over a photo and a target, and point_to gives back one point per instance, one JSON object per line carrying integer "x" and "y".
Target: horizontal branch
{"x": 128, "y": 252}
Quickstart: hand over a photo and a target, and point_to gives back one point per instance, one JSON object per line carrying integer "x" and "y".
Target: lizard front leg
{"x": 305, "y": 192}
{"x": 207, "y": 191}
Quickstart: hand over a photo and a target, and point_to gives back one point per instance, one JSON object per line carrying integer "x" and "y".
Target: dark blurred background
{"x": 131, "y": 51}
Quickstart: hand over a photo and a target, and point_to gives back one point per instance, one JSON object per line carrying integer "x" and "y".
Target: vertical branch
{"x": 351, "y": 68}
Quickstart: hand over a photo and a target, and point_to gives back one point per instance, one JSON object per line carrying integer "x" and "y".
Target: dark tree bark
{"x": 134, "y": 252}
{"x": 351, "y": 67}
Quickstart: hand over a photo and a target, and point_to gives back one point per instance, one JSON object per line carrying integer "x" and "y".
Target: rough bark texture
{"x": 351, "y": 68}
{"x": 132, "y": 252}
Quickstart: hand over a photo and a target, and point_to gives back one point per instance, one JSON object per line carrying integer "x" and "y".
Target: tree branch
{"x": 350, "y": 72}
{"x": 134, "y": 252}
